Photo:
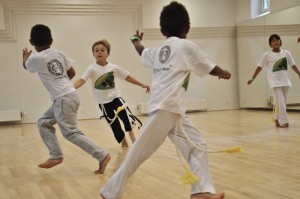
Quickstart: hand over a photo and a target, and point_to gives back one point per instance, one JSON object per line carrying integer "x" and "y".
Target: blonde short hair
{"x": 104, "y": 43}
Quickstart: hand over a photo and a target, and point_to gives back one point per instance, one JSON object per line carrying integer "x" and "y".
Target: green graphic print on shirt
{"x": 105, "y": 81}
{"x": 186, "y": 81}
{"x": 280, "y": 65}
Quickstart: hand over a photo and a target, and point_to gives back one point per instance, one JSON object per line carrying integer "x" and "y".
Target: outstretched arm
{"x": 296, "y": 69}
{"x": 136, "y": 82}
{"x": 78, "y": 83}
{"x": 136, "y": 40}
{"x": 257, "y": 71}
{"x": 222, "y": 74}
{"x": 26, "y": 54}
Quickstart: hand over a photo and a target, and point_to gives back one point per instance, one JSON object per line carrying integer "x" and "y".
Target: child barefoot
{"x": 55, "y": 71}
{"x": 277, "y": 63}
{"x": 172, "y": 63}
{"x": 102, "y": 74}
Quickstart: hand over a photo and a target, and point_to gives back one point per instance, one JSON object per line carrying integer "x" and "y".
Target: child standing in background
{"x": 277, "y": 62}
{"x": 172, "y": 63}
{"x": 102, "y": 74}
{"x": 55, "y": 71}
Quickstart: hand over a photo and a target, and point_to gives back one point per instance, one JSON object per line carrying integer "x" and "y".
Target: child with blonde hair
{"x": 102, "y": 74}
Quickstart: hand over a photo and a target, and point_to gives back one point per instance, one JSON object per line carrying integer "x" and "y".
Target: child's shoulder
{"x": 185, "y": 43}
{"x": 111, "y": 65}
{"x": 60, "y": 52}
{"x": 52, "y": 52}
{"x": 285, "y": 51}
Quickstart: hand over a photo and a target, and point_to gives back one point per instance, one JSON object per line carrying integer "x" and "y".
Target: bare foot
{"x": 50, "y": 163}
{"x": 277, "y": 123}
{"x": 208, "y": 196}
{"x": 124, "y": 142}
{"x": 102, "y": 196}
{"x": 284, "y": 125}
{"x": 103, "y": 164}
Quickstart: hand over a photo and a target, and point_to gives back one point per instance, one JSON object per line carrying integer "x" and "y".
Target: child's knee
{"x": 41, "y": 123}
{"x": 45, "y": 123}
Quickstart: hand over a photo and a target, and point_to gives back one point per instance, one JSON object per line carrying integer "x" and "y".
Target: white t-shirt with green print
{"x": 172, "y": 63}
{"x": 277, "y": 65}
{"x": 103, "y": 81}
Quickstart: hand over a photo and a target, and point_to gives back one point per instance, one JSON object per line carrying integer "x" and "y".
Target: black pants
{"x": 109, "y": 110}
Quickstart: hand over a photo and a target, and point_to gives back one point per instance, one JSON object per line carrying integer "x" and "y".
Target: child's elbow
{"x": 71, "y": 73}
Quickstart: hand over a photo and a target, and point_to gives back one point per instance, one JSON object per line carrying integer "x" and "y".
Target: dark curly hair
{"x": 274, "y": 36}
{"x": 174, "y": 20}
{"x": 41, "y": 35}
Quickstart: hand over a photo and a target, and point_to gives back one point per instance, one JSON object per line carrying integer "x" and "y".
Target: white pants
{"x": 281, "y": 101}
{"x": 160, "y": 125}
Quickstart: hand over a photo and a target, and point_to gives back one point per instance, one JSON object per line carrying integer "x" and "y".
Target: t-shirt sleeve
{"x": 199, "y": 61}
{"x": 290, "y": 59}
{"x": 148, "y": 57}
{"x": 31, "y": 64}
{"x": 87, "y": 73}
{"x": 121, "y": 72}
{"x": 263, "y": 61}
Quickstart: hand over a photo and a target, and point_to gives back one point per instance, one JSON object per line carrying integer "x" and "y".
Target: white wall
{"x": 203, "y": 13}
{"x": 252, "y": 36}
{"x": 74, "y": 29}
{"x": 278, "y": 5}
{"x": 243, "y": 8}
{"x": 76, "y": 26}
{"x": 252, "y": 42}
{"x": 1, "y": 17}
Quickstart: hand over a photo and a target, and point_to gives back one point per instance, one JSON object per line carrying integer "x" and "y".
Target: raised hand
{"x": 26, "y": 54}
{"x": 139, "y": 34}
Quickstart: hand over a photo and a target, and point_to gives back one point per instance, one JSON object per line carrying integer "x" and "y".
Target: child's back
{"x": 55, "y": 71}
{"x": 52, "y": 66}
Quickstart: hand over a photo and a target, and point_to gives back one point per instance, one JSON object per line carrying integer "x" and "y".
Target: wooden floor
{"x": 268, "y": 169}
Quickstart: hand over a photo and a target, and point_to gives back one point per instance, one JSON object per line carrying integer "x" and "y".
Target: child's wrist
{"x": 135, "y": 38}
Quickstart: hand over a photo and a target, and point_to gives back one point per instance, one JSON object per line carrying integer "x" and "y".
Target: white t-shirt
{"x": 103, "y": 81}
{"x": 277, "y": 65}
{"x": 172, "y": 63}
{"x": 52, "y": 65}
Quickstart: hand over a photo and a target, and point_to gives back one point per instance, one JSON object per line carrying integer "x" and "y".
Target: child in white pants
{"x": 277, "y": 62}
{"x": 149, "y": 141}
{"x": 172, "y": 64}
{"x": 280, "y": 114}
